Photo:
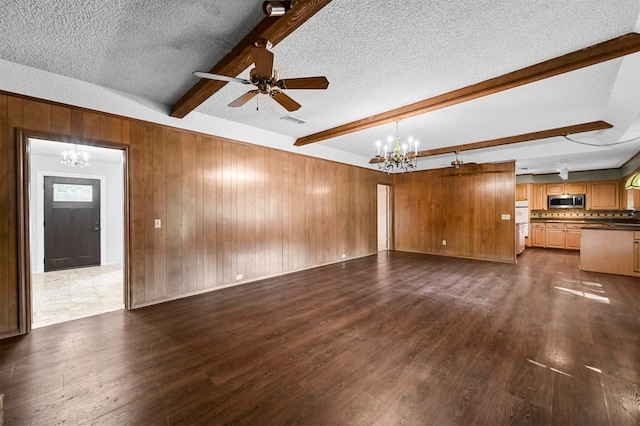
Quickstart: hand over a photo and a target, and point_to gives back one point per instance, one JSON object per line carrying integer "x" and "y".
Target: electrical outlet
{"x": 238, "y": 277}
{"x": 344, "y": 255}
{"x": 158, "y": 223}
{"x": 444, "y": 242}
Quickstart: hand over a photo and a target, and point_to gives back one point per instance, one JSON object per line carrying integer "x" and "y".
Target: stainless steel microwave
{"x": 566, "y": 201}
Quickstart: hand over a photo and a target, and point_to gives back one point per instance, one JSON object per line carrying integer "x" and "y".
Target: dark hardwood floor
{"x": 396, "y": 338}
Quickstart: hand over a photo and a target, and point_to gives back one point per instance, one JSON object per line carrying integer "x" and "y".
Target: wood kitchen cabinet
{"x": 619, "y": 246}
{"x": 537, "y": 234}
{"x": 555, "y": 235}
{"x": 573, "y": 188}
{"x": 636, "y": 252}
{"x": 539, "y": 197}
{"x": 603, "y": 195}
{"x": 522, "y": 191}
{"x": 631, "y": 200}
{"x": 572, "y": 236}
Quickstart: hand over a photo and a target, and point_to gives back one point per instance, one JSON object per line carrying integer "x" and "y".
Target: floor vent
{"x": 293, "y": 119}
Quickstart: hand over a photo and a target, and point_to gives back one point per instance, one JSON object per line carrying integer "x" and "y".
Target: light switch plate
{"x": 158, "y": 223}
{"x": 506, "y": 217}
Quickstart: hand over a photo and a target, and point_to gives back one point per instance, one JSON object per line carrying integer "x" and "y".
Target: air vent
{"x": 293, "y": 119}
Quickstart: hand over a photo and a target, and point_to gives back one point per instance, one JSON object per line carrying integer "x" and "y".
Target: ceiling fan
{"x": 457, "y": 163}
{"x": 265, "y": 78}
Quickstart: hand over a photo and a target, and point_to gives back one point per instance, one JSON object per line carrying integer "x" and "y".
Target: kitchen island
{"x": 613, "y": 249}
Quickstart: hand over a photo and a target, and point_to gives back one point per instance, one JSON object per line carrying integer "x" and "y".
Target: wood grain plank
{"x": 200, "y": 211}
{"x": 262, "y": 212}
{"x": 137, "y": 217}
{"x": 228, "y": 220}
{"x": 149, "y": 213}
{"x": 126, "y": 131}
{"x": 274, "y": 234}
{"x": 6, "y": 287}
{"x": 60, "y": 120}
{"x": 91, "y": 125}
{"x": 252, "y": 178}
{"x": 440, "y": 343}
{"x": 601, "y": 52}
{"x": 189, "y": 216}
{"x": 172, "y": 193}
{"x": 274, "y": 29}
{"x": 240, "y": 210}
{"x": 111, "y": 128}
{"x": 210, "y": 195}
{"x": 15, "y": 113}
{"x": 36, "y": 115}
{"x": 159, "y": 212}
{"x": 219, "y": 218}
{"x": 77, "y": 126}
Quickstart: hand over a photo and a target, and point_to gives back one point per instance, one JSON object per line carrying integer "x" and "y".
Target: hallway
{"x": 69, "y": 294}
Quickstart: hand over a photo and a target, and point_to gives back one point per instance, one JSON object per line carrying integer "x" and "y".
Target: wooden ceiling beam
{"x": 274, "y": 29}
{"x": 526, "y": 137}
{"x": 611, "y": 49}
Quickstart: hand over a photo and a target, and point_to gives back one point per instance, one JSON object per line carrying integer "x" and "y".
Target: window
{"x": 74, "y": 193}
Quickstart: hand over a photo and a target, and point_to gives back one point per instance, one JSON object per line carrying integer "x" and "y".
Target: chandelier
{"x": 73, "y": 158}
{"x": 399, "y": 157}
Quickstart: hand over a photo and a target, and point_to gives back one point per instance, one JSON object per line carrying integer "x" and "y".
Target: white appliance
{"x": 522, "y": 215}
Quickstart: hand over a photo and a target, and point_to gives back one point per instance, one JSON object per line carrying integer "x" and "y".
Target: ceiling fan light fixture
{"x": 275, "y": 8}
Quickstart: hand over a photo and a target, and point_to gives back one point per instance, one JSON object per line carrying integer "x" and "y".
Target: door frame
{"x": 23, "y": 169}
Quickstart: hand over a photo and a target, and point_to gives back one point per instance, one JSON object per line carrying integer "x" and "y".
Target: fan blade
{"x": 244, "y": 98}
{"x": 263, "y": 59}
{"x": 284, "y": 100}
{"x": 220, "y": 77}
{"x": 303, "y": 83}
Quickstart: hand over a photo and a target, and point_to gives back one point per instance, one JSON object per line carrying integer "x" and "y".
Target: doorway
{"x": 77, "y": 227}
{"x": 71, "y": 223}
{"x": 384, "y": 217}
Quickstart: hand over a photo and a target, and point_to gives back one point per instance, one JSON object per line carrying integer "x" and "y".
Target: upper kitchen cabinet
{"x": 538, "y": 197}
{"x": 573, "y": 188}
{"x": 522, "y": 191}
{"x": 632, "y": 197}
{"x": 603, "y": 195}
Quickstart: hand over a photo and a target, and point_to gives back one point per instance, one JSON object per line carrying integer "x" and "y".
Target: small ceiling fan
{"x": 457, "y": 163}
{"x": 265, "y": 78}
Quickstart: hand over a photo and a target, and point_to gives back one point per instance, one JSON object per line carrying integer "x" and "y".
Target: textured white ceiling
{"x": 376, "y": 56}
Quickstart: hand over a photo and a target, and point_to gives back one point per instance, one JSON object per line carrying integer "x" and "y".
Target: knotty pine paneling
{"x": 227, "y": 208}
{"x": 462, "y": 207}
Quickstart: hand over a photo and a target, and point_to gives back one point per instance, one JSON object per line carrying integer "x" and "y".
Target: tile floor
{"x": 65, "y": 295}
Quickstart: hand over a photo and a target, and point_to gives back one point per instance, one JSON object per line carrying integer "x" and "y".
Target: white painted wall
{"x": 111, "y": 206}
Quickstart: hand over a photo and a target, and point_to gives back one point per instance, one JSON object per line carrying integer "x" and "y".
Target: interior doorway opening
{"x": 384, "y": 217}
{"x": 89, "y": 273}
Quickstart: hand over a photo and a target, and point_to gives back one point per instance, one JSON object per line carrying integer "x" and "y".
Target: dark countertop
{"x": 617, "y": 220}
{"x": 610, "y": 224}
{"x": 613, "y": 227}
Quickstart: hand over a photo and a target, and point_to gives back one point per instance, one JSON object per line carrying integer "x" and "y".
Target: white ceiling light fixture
{"x": 563, "y": 171}
{"x": 396, "y": 156}
{"x": 74, "y": 158}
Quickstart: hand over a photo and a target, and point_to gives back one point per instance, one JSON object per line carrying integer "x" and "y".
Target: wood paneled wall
{"x": 462, "y": 207}
{"x": 227, "y": 208}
